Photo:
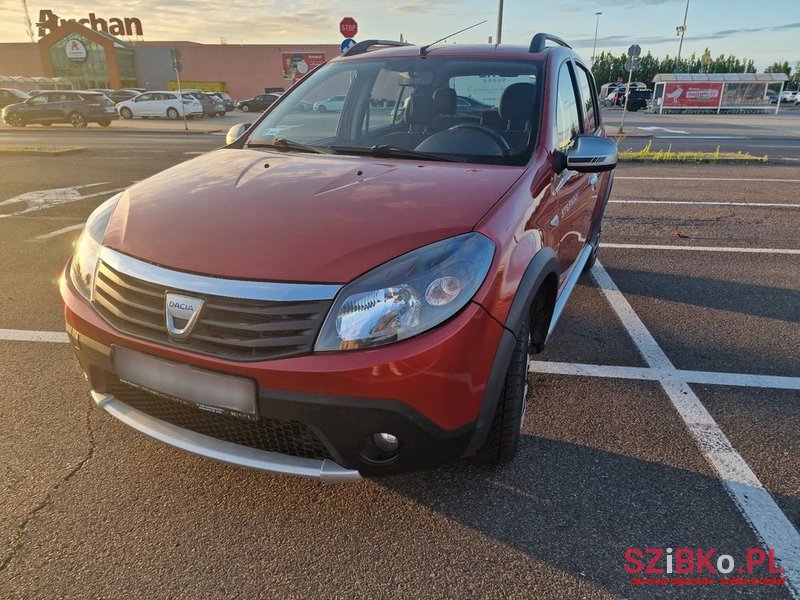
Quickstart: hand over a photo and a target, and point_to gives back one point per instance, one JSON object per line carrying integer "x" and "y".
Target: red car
{"x": 338, "y": 295}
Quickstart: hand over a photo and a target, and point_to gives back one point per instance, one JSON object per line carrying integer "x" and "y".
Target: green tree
{"x": 608, "y": 67}
{"x": 781, "y": 66}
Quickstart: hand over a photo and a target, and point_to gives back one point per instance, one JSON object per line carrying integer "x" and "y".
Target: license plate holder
{"x": 207, "y": 390}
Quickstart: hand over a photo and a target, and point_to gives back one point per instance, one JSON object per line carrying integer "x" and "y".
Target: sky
{"x": 765, "y": 31}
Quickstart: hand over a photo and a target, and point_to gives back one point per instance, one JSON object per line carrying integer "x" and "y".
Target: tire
{"x": 15, "y": 120}
{"x": 45, "y": 124}
{"x": 321, "y": 108}
{"x": 245, "y": 108}
{"x": 126, "y": 113}
{"x": 77, "y": 120}
{"x": 502, "y": 442}
{"x": 104, "y": 122}
{"x": 172, "y": 113}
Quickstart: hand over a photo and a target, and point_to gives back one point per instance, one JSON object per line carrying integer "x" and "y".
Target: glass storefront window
{"x": 89, "y": 73}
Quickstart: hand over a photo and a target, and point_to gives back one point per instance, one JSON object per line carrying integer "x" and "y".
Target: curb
{"x": 628, "y": 135}
{"x": 63, "y": 131}
{"x": 36, "y": 151}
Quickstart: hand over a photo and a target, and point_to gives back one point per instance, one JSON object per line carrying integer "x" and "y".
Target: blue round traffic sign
{"x": 347, "y": 43}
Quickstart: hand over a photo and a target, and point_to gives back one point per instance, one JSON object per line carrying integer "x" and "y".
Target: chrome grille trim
{"x": 230, "y": 327}
{"x": 217, "y": 286}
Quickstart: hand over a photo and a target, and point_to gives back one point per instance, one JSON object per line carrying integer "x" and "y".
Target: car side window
{"x": 586, "y": 86}
{"x": 568, "y": 123}
{"x": 38, "y": 100}
{"x": 143, "y": 98}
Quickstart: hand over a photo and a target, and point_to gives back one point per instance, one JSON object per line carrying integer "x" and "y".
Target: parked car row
{"x": 79, "y": 108}
{"x": 786, "y": 97}
{"x": 170, "y": 105}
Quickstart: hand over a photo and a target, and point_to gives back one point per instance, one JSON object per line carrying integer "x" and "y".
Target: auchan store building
{"x": 88, "y": 55}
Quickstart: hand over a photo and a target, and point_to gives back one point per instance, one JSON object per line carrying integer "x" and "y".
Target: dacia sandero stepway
{"x": 352, "y": 293}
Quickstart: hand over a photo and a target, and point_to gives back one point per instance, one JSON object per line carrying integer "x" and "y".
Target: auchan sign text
{"x": 48, "y": 21}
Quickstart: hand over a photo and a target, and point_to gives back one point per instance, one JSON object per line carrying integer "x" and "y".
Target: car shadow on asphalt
{"x": 744, "y": 298}
{"x": 579, "y": 509}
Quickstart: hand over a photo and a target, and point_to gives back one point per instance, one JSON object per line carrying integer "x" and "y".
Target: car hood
{"x": 254, "y": 214}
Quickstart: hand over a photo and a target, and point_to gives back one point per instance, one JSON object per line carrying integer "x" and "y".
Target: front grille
{"x": 285, "y": 437}
{"x": 228, "y": 328}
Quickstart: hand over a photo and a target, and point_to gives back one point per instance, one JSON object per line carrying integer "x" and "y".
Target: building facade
{"x": 96, "y": 59}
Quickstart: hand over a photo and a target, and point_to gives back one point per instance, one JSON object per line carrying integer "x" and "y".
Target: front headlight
{"x": 407, "y": 295}
{"x": 87, "y": 250}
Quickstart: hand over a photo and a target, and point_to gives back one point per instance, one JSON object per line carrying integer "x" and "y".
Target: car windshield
{"x": 468, "y": 110}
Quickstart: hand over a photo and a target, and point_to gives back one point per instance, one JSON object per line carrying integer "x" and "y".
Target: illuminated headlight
{"x": 84, "y": 261}
{"x": 408, "y": 295}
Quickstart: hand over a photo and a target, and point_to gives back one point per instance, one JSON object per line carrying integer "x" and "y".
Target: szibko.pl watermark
{"x": 702, "y": 567}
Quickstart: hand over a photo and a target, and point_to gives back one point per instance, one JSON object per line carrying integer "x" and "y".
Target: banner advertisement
{"x": 692, "y": 94}
{"x": 206, "y": 86}
{"x": 297, "y": 64}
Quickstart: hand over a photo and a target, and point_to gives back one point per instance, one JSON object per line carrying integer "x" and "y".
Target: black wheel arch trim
{"x": 544, "y": 263}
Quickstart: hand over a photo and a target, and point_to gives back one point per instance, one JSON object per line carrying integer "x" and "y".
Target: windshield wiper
{"x": 382, "y": 150}
{"x": 284, "y": 144}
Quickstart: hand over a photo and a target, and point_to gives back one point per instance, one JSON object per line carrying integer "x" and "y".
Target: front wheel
{"x": 126, "y": 113}
{"x": 172, "y": 113}
{"x": 245, "y": 108}
{"x": 15, "y": 120}
{"x": 321, "y": 108}
{"x": 77, "y": 120}
{"x": 104, "y": 122}
{"x": 503, "y": 440}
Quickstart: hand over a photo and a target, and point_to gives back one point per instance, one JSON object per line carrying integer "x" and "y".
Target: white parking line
{"x": 709, "y": 203}
{"x": 651, "y": 374}
{"x": 702, "y": 248}
{"x": 42, "y": 199}
{"x": 755, "y": 503}
{"x": 23, "y": 335}
{"x": 642, "y": 178}
{"x": 701, "y": 137}
{"x": 58, "y": 232}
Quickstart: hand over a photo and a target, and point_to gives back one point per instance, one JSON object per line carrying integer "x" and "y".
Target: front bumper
{"x": 428, "y": 391}
{"x": 324, "y": 470}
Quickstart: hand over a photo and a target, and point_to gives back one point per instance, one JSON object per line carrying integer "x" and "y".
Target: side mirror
{"x": 235, "y": 132}
{"x": 589, "y": 154}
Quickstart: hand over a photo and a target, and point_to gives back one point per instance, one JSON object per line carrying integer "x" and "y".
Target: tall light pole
{"x": 681, "y": 29}
{"x": 498, "y": 33}
{"x": 596, "y": 26}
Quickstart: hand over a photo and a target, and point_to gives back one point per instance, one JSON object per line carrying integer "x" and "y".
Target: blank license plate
{"x": 207, "y": 390}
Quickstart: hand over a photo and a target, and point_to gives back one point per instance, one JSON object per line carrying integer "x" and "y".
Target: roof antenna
{"x": 424, "y": 49}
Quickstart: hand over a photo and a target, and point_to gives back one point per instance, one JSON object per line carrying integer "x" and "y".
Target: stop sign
{"x": 348, "y": 27}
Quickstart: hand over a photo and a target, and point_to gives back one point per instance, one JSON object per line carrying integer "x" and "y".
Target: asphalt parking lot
{"x": 665, "y": 413}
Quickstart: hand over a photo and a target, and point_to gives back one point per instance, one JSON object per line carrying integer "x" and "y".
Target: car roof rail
{"x": 362, "y": 47}
{"x": 540, "y": 40}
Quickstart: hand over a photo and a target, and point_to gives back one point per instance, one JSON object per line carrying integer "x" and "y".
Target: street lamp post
{"x": 596, "y": 26}
{"x": 499, "y": 29}
{"x": 681, "y": 29}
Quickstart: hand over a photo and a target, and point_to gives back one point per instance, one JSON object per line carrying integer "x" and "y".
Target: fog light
{"x": 380, "y": 448}
{"x": 386, "y": 442}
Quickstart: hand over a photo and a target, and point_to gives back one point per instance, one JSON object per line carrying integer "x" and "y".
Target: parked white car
{"x": 334, "y": 103}
{"x": 168, "y": 105}
{"x": 788, "y": 96}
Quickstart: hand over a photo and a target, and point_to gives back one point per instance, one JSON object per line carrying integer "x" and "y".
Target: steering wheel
{"x": 491, "y": 133}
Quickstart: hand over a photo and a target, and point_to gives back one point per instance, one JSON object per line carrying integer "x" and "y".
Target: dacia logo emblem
{"x": 182, "y": 313}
